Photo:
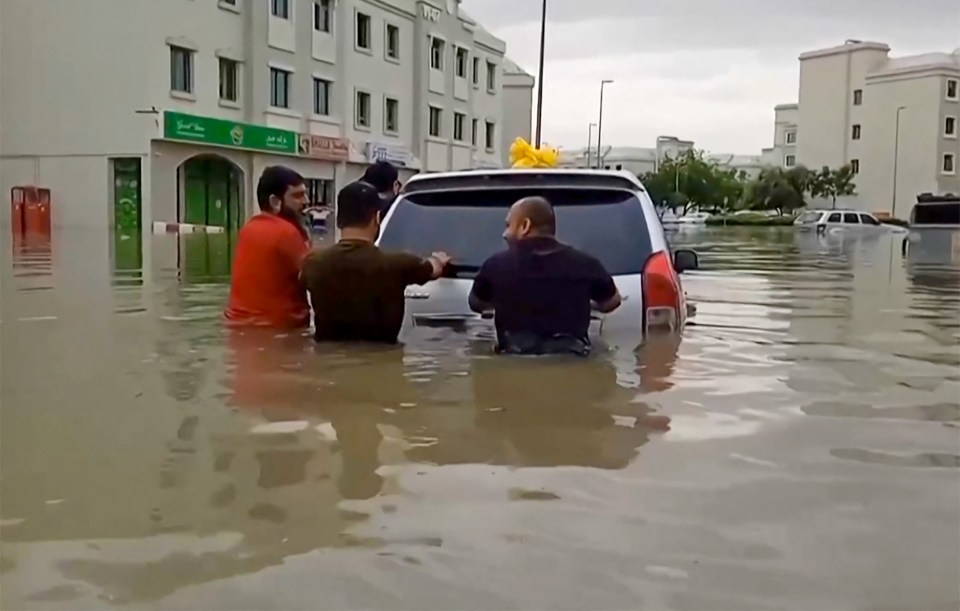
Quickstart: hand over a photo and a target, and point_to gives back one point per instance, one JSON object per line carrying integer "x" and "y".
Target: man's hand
{"x": 439, "y": 260}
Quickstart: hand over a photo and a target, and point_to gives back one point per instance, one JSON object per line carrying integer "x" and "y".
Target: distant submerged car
{"x": 934, "y": 230}
{"x": 832, "y": 221}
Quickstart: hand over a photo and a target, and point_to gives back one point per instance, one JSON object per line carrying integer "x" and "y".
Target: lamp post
{"x": 896, "y": 156}
{"x": 590, "y": 144}
{"x": 543, "y": 45}
{"x": 603, "y": 84}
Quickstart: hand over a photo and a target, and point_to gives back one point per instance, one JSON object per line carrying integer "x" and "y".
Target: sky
{"x": 710, "y": 71}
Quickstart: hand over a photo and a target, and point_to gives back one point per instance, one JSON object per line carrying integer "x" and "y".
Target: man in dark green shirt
{"x": 355, "y": 288}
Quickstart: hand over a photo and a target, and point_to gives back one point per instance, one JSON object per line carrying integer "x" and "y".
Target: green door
{"x": 127, "y": 206}
{"x": 211, "y": 192}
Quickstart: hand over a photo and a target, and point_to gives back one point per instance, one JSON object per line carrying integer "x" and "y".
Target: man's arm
{"x": 421, "y": 271}
{"x": 604, "y": 295}
{"x": 481, "y": 293}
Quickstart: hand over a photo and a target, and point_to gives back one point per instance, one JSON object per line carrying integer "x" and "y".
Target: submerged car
{"x": 607, "y": 214}
{"x": 823, "y": 221}
{"x": 934, "y": 230}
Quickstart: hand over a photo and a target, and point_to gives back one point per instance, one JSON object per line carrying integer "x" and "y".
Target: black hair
{"x": 275, "y": 180}
{"x": 357, "y": 205}
{"x": 382, "y": 175}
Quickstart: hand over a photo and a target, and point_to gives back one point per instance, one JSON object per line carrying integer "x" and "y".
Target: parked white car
{"x": 831, "y": 221}
{"x": 694, "y": 218}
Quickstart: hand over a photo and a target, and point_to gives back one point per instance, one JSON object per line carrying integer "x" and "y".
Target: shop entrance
{"x": 211, "y": 192}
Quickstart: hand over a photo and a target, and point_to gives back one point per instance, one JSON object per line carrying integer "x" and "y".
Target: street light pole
{"x": 603, "y": 83}
{"x": 543, "y": 46}
{"x": 590, "y": 144}
{"x": 896, "y": 156}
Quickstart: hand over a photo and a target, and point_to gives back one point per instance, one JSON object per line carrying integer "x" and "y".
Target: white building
{"x": 173, "y": 116}
{"x": 893, "y": 120}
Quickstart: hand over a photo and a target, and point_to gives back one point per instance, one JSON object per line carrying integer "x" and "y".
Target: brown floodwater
{"x": 798, "y": 449}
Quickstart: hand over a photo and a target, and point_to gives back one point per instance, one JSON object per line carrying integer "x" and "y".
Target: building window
{"x": 953, "y": 89}
{"x": 320, "y": 191}
{"x": 491, "y": 77}
{"x": 462, "y": 57}
{"x": 436, "y": 53}
{"x": 391, "y": 116}
{"x": 362, "y": 112}
{"x": 950, "y": 127}
{"x": 476, "y": 71}
{"x": 322, "y": 15}
{"x": 857, "y": 97}
{"x": 791, "y": 137}
{"x": 855, "y": 166}
{"x": 949, "y": 163}
{"x": 229, "y": 85}
{"x": 363, "y": 31}
{"x": 229, "y": 2}
{"x": 473, "y": 132}
{"x": 459, "y": 122}
{"x": 279, "y": 88}
{"x": 181, "y": 70}
{"x": 393, "y": 41}
{"x": 855, "y": 135}
{"x": 321, "y": 96}
{"x": 280, "y": 8}
{"x": 491, "y": 134}
{"x": 436, "y": 121}
{"x": 790, "y": 161}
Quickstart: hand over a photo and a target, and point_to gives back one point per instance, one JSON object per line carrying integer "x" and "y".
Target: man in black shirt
{"x": 541, "y": 290}
{"x": 386, "y": 180}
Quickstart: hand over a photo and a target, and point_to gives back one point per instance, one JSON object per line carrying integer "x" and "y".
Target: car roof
{"x": 841, "y": 210}
{"x": 480, "y": 178}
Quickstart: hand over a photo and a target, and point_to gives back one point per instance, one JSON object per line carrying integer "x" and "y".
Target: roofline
{"x": 849, "y": 47}
{"x": 934, "y": 69}
{"x": 789, "y": 106}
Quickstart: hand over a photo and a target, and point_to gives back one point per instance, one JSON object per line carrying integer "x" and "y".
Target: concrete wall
{"x": 517, "y": 111}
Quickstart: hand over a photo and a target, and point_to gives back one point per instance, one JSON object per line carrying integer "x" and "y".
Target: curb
{"x": 160, "y": 227}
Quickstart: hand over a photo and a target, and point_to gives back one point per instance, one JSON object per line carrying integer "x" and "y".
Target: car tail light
{"x": 661, "y": 294}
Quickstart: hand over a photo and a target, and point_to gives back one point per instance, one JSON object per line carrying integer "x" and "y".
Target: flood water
{"x": 798, "y": 449}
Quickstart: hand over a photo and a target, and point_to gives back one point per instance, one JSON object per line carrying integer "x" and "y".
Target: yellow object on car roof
{"x": 525, "y": 155}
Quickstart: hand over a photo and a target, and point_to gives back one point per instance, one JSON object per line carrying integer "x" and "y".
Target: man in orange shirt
{"x": 266, "y": 288}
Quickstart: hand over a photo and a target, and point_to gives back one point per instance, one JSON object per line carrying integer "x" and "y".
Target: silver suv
{"x": 606, "y": 214}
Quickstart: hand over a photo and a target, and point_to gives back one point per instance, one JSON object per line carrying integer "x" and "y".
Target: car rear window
{"x": 936, "y": 214}
{"x": 606, "y": 223}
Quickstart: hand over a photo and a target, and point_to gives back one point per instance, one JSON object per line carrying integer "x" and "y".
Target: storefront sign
{"x": 324, "y": 147}
{"x": 219, "y": 132}
{"x": 397, "y": 155}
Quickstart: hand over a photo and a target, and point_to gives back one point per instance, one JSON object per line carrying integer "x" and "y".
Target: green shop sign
{"x": 218, "y": 132}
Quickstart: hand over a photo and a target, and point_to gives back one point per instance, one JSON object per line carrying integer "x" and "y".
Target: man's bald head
{"x": 530, "y": 217}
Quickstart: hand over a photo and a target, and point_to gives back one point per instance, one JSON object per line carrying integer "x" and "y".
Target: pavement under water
{"x": 798, "y": 448}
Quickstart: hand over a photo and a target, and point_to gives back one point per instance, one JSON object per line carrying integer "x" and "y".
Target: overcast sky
{"x": 706, "y": 70}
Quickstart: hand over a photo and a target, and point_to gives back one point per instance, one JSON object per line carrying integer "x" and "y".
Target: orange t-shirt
{"x": 265, "y": 288}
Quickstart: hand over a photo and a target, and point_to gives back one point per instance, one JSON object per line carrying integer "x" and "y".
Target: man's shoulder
{"x": 579, "y": 257}
{"x": 499, "y": 258}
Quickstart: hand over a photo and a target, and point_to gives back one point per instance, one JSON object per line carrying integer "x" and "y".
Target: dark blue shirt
{"x": 541, "y": 291}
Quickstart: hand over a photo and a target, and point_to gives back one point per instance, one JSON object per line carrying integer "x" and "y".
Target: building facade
{"x": 892, "y": 120}
{"x": 173, "y": 117}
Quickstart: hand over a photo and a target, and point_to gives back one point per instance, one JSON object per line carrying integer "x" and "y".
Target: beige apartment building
{"x": 893, "y": 120}
{"x": 140, "y": 111}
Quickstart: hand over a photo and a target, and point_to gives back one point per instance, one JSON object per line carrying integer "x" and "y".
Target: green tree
{"x": 777, "y": 190}
{"x": 831, "y": 184}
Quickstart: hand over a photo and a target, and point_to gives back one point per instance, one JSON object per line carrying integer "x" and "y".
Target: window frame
{"x": 389, "y": 100}
{"x": 947, "y": 120}
{"x": 275, "y": 71}
{"x": 326, "y": 9}
{"x": 856, "y": 217}
{"x": 491, "y": 77}
{"x": 476, "y": 72}
{"x": 855, "y": 166}
{"x": 459, "y": 126}
{"x": 459, "y": 52}
{"x": 858, "y": 97}
{"x": 358, "y": 95}
{"x": 829, "y": 218}
{"x": 442, "y": 51}
{"x": 389, "y": 27}
{"x": 438, "y": 132}
{"x": 956, "y": 90}
{"x": 232, "y": 67}
{"x": 490, "y": 136}
{"x": 474, "y": 132}
{"x": 288, "y": 9}
{"x": 870, "y": 221}
{"x": 790, "y": 137}
{"x": 367, "y": 32}
{"x": 789, "y": 161}
{"x": 189, "y": 71}
{"x": 328, "y": 95}
{"x": 953, "y": 163}
{"x": 856, "y": 131}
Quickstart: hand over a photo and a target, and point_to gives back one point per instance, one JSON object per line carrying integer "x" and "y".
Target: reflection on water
{"x": 152, "y": 457}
